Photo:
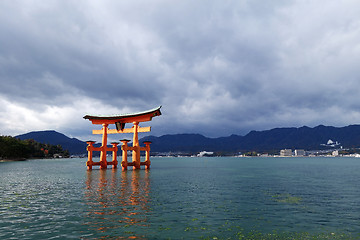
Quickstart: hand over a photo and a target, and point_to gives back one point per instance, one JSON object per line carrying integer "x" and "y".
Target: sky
{"x": 216, "y": 67}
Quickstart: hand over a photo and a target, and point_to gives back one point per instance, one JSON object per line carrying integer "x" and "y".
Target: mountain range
{"x": 73, "y": 145}
{"x": 261, "y": 141}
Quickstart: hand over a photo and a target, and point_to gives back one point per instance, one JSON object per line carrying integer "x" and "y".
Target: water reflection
{"x": 118, "y": 203}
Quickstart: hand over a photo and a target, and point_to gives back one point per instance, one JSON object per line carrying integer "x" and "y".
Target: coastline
{"x": 13, "y": 160}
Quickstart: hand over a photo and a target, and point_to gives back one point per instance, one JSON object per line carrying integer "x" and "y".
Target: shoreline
{"x": 13, "y": 160}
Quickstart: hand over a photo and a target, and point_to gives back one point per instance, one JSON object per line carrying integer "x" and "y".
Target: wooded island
{"x": 15, "y": 149}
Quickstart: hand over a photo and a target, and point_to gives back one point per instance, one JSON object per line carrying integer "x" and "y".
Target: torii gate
{"x": 120, "y": 121}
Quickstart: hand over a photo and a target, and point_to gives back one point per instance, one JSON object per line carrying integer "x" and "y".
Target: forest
{"x": 15, "y": 149}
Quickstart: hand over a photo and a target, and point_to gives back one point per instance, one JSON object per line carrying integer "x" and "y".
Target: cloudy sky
{"x": 217, "y": 67}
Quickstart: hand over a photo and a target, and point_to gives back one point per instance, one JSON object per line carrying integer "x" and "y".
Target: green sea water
{"x": 182, "y": 198}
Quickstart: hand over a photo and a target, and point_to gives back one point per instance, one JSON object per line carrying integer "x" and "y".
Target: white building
{"x": 286, "y": 153}
{"x": 299, "y": 152}
{"x": 205, "y": 153}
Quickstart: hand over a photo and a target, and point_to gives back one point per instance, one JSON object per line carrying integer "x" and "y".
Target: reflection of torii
{"x": 120, "y": 121}
{"x": 114, "y": 202}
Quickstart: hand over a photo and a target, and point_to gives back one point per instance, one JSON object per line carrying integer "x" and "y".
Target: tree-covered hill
{"x": 273, "y": 140}
{"x": 14, "y": 148}
{"x": 73, "y": 145}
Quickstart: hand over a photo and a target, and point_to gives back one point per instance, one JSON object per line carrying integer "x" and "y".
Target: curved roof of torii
{"x": 125, "y": 118}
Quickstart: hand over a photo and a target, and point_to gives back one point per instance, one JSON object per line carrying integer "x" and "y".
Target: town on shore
{"x": 282, "y": 153}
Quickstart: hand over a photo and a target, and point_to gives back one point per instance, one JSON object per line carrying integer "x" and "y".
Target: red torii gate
{"x": 120, "y": 121}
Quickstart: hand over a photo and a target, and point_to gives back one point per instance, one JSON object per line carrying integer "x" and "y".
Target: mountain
{"x": 260, "y": 141}
{"x": 191, "y": 143}
{"x": 275, "y": 139}
{"x": 73, "y": 145}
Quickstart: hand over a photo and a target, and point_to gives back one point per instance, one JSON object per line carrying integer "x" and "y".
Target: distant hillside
{"x": 12, "y": 148}
{"x": 192, "y": 143}
{"x": 73, "y": 145}
{"x": 270, "y": 140}
{"x": 275, "y": 139}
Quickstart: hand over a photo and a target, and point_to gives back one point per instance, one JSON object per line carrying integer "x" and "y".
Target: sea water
{"x": 182, "y": 198}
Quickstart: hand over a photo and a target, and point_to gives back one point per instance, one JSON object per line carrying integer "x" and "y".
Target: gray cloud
{"x": 217, "y": 67}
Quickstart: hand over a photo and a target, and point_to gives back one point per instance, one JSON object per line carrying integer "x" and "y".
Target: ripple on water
{"x": 209, "y": 198}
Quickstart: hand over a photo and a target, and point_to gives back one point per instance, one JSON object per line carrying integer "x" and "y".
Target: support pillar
{"x": 103, "y": 162}
{"x": 114, "y": 156}
{"x": 124, "y": 149}
{"x": 90, "y": 149}
{"x": 147, "y": 154}
{"x": 136, "y": 147}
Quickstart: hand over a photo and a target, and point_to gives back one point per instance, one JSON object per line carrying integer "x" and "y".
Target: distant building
{"x": 299, "y": 152}
{"x": 205, "y": 153}
{"x": 335, "y": 153}
{"x": 331, "y": 143}
{"x": 286, "y": 153}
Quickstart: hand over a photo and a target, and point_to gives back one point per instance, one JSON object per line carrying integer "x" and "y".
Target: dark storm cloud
{"x": 217, "y": 67}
